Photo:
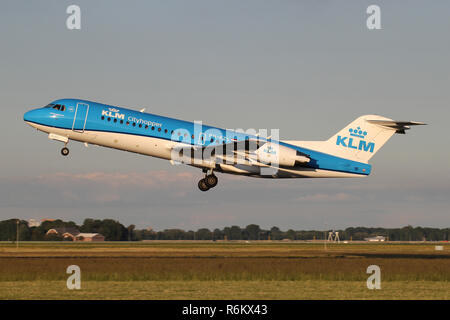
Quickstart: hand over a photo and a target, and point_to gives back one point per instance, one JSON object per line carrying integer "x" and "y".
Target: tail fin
{"x": 361, "y": 139}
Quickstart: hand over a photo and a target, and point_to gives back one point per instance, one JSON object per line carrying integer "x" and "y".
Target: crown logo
{"x": 358, "y": 133}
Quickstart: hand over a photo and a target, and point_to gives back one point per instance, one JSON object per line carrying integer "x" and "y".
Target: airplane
{"x": 345, "y": 155}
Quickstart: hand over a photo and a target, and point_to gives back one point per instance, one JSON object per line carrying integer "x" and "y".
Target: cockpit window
{"x": 49, "y": 105}
{"x": 59, "y": 107}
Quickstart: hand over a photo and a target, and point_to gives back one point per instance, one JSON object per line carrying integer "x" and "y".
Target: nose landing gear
{"x": 65, "y": 151}
{"x": 208, "y": 182}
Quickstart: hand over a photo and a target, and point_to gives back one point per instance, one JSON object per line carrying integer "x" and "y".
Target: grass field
{"x": 223, "y": 270}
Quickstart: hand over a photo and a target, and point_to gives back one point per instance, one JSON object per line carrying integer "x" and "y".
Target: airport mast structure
{"x": 17, "y": 233}
{"x": 333, "y": 236}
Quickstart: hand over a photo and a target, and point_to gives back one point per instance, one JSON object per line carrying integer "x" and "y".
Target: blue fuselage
{"x": 87, "y": 116}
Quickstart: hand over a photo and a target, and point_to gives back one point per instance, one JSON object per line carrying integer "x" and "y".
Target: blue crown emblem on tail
{"x": 358, "y": 133}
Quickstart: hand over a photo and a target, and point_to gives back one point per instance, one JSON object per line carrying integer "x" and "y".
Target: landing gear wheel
{"x": 64, "y": 151}
{"x": 202, "y": 185}
{"x": 211, "y": 180}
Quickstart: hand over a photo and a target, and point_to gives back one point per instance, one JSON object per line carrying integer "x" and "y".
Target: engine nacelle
{"x": 279, "y": 155}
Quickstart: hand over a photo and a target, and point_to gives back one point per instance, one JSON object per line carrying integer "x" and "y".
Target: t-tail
{"x": 361, "y": 139}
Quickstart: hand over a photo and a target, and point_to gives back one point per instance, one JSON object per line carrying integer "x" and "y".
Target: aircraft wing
{"x": 238, "y": 151}
{"x": 237, "y": 146}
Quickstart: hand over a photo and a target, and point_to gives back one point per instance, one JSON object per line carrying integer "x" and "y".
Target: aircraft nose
{"x": 30, "y": 116}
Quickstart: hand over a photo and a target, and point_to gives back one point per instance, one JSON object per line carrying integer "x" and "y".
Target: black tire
{"x": 211, "y": 180}
{"x": 64, "y": 151}
{"x": 202, "y": 185}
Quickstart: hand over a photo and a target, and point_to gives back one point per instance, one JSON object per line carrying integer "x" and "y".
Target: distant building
{"x": 64, "y": 232}
{"x": 33, "y": 223}
{"x": 75, "y": 235}
{"x": 89, "y": 237}
{"x": 376, "y": 239}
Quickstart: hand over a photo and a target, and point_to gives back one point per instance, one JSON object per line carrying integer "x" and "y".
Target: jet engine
{"x": 276, "y": 154}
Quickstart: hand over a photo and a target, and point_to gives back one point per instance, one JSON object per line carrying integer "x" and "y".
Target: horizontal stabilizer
{"x": 399, "y": 126}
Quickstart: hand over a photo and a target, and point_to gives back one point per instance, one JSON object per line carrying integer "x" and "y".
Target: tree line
{"x": 254, "y": 232}
{"x": 115, "y": 231}
{"x": 111, "y": 229}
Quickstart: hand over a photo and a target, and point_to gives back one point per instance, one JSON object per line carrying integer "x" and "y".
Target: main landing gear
{"x": 208, "y": 182}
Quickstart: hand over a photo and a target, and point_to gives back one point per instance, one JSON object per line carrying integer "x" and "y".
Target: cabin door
{"x": 80, "y": 117}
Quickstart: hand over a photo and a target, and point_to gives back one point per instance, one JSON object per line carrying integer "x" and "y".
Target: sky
{"x": 307, "y": 68}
